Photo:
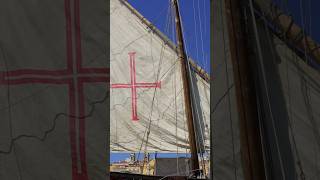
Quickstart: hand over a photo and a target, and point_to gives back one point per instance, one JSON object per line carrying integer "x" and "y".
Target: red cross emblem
{"x": 134, "y": 85}
{"x": 75, "y": 76}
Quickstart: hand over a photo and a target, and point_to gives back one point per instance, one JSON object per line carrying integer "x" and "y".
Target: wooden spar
{"x": 250, "y": 143}
{"x": 186, "y": 84}
{"x": 201, "y": 72}
{"x": 292, "y": 32}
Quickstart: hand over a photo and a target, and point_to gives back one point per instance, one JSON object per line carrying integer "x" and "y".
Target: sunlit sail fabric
{"x": 53, "y": 90}
{"x": 146, "y": 95}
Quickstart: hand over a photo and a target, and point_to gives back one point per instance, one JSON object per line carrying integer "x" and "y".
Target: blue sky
{"x": 193, "y": 13}
{"x": 115, "y": 157}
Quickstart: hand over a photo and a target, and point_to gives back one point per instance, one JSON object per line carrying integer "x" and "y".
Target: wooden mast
{"x": 250, "y": 142}
{"x": 186, "y": 84}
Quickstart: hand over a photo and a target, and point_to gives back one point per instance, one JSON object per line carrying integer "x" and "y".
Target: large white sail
{"x": 53, "y": 90}
{"x": 146, "y": 95}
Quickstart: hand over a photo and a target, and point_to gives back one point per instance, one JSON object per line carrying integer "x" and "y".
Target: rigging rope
{"x": 260, "y": 58}
{"x": 150, "y": 116}
{"x": 290, "y": 123}
{"x": 147, "y": 130}
{"x": 195, "y": 23}
{"x": 201, "y": 35}
{"x": 196, "y": 109}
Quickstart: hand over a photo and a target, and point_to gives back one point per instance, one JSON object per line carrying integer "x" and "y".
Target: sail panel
{"x": 301, "y": 87}
{"x": 49, "y": 127}
{"x": 301, "y": 90}
{"x": 298, "y": 130}
{"x": 146, "y": 85}
{"x": 225, "y": 137}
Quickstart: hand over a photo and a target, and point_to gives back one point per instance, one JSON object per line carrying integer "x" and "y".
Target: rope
{"x": 195, "y": 108}
{"x": 147, "y": 130}
{"x": 266, "y": 86}
{"x": 201, "y": 35}
{"x": 196, "y": 32}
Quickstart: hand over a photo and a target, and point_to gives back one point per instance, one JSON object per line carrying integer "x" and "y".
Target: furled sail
{"x": 287, "y": 84}
{"x": 146, "y": 95}
{"x": 53, "y": 89}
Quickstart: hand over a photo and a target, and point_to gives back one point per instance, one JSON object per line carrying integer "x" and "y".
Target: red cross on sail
{"x": 134, "y": 85}
{"x": 75, "y": 76}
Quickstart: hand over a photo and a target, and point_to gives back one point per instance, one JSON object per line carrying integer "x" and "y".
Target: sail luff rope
{"x": 266, "y": 85}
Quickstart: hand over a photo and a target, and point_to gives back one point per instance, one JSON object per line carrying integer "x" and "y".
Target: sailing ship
{"x": 159, "y": 97}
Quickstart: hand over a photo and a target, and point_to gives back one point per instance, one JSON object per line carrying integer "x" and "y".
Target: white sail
{"x": 146, "y": 95}
{"x": 300, "y": 83}
{"x": 225, "y": 139}
{"x": 53, "y": 85}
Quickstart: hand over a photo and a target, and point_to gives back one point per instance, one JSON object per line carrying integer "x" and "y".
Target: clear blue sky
{"x": 194, "y": 13}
